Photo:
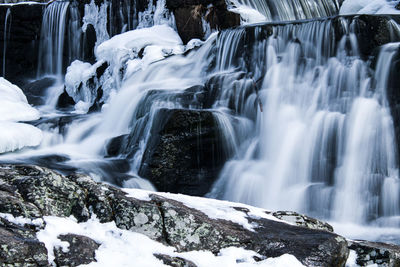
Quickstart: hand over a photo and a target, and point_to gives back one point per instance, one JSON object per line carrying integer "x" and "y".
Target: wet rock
{"x": 369, "y": 253}
{"x": 195, "y": 17}
{"x": 302, "y": 220}
{"x": 20, "y": 247}
{"x": 116, "y": 145}
{"x": 22, "y": 42}
{"x": 35, "y": 91}
{"x": 65, "y": 101}
{"x": 185, "y": 152}
{"x": 174, "y": 261}
{"x": 49, "y": 191}
{"x": 162, "y": 219}
{"x": 81, "y": 250}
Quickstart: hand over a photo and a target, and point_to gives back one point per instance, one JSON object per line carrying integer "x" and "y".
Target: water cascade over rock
{"x": 300, "y": 112}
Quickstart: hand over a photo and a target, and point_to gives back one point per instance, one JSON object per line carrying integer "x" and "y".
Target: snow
{"x": 124, "y": 248}
{"x": 215, "y": 209}
{"x": 130, "y": 43}
{"x": 248, "y": 15}
{"x": 21, "y": 221}
{"x": 14, "y": 108}
{"x": 78, "y": 73}
{"x": 369, "y": 7}
{"x": 97, "y": 17}
{"x": 15, "y": 136}
{"x": 14, "y": 105}
{"x": 352, "y": 259}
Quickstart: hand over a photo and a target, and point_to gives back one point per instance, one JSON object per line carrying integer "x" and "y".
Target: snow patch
{"x": 215, "y": 209}
{"x": 369, "y": 7}
{"x": 21, "y": 221}
{"x": 124, "y": 248}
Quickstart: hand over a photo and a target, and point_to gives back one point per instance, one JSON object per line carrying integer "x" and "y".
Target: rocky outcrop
{"x": 185, "y": 152}
{"x": 370, "y": 253}
{"x": 195, "y": 17}
{"x": 22, "y": 38}
{"x": 19, "y": 246}
{"x": 81, "y": 251}
{"x": 169, "y": 221}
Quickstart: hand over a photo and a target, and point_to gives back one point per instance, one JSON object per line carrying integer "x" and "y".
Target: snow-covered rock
{"x": 132, "y": 226}
{"x": 350, "y": 7}
{"x": 15, "y": 108}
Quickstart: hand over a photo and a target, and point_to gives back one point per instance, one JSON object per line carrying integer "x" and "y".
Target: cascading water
{"x": 51, "y": 49}
{"x": 285, "y": 10}
{"x": 325, "y": 138}
{"x": 7, "y": 32}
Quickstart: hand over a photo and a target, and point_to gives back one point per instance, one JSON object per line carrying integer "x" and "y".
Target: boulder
{"x": 174, "y": 261}
{"x": 369, "y": 253}
{"x": 174, "y": 222}
{"x": 20, "y": 247}
{"x": 185, "y": 152}
{"x": 81, "y": 250}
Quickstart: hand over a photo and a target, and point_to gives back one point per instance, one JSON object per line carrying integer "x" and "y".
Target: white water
{"x": 7, "y": 32}
{"x": 315, "y": 136}
{"x": 283, "y": 10}
{"x": 52, "y": 39}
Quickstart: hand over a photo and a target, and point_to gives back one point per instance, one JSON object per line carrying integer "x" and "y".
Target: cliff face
{"x": 19, "y": 39}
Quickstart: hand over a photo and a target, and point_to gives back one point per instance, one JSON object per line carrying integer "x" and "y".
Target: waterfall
{"x": 7, "y": 32}
{"x": 286, "y": 10}
{"x": 324, "y": 139}
{"x": 51, "y": 51}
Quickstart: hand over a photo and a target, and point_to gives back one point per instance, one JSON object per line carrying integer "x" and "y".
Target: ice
{"x": 97, "y": 17}
{"x": 125, "y": 248}
{"x": 14, "y": 105}
{"x": 369, "y": 7}
{"x": 75, "y": 81}
{"x": 248, "y": 15}
{"x": 15, "y": 136}
{"x": 14, "y": 108}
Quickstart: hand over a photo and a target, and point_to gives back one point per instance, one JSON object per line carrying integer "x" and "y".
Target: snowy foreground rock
{"x": 47, "y": 218}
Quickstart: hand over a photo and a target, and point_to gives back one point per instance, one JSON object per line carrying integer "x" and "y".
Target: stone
{"x": 20, "y": 247}
{"x": 174, "y": 261}
{"x": 302, "y": 220}
{"x": 369, "y": 253}
{"x": 185, "y": 153}
{"x": 81, "y": 250}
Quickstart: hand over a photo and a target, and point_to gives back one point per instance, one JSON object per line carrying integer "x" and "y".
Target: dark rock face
{"x": 162, "y": 219}
{"x": 185, "y": 152}
{"x": 192, "y": 17}
{"x": 22, "y": 40}
{"x": 20, "y": 247}
{"x": 174, "y": 261}
{"x": 35, "y": 91}
{"x": 81, "y": 251}
{"x": 369, "y": 253}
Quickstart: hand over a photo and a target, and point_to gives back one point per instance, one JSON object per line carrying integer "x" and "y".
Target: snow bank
{"x": 15, "y": 136}
{"x": 131, "y": 43}
{"x": 369, "y": 7}
{"x": 124, "y": 248}
{"x": 248, "y": 15}
{"x": 14, "y": 107}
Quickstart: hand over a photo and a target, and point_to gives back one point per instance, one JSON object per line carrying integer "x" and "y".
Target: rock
{"x": 81, "y": 250}
{"x": 49, "y": 191}
{"x": 302, "y": 220}
{"x": 185, "y": 152}
{"x": 115, "y": 145}
{"x": 22, "y": 42}
{"x": 174, "y": 261}
{"x": 162, "y": 219}
{"x": 20, "y": 247}
{"x": 35, "y": 91}
{"x": 193, "y": 17}
{"x": 65, "y": 101}
{"x": 369, "y": 253}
